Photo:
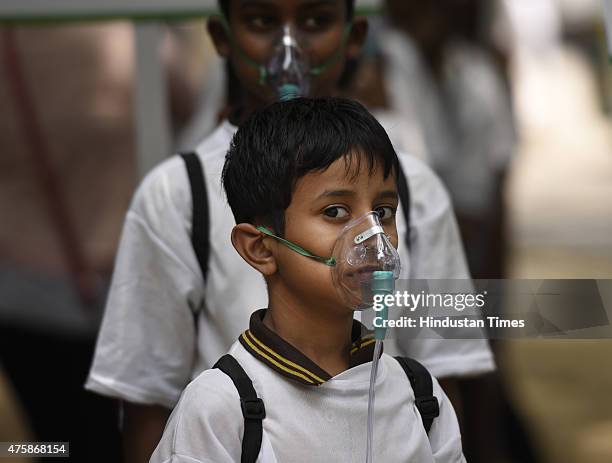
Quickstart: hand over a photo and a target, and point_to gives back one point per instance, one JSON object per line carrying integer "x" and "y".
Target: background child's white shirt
{"x": 462, "y": 126}
{"x": 149, "y": 347}
{"x": 308, "y": 423}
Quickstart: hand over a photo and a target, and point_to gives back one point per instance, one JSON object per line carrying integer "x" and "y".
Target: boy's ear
{"x": 250, "y": 244}
{"x": 220, "y": 36}
{"x": 357, "y": 37}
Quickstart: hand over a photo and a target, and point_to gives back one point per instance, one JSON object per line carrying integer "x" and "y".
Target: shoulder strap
{"x": 422, "y": 385}
{"x": 200, "y": 219}
{"x": 404, "y": 194}
{"x": 253, "y": 409}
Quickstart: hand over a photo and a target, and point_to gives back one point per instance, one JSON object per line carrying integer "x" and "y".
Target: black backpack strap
{"x": 422, "y": 385}
{"x": 200, "y": 219}
{"x": 253, "y": 409}
{"x": 403, "y": 191}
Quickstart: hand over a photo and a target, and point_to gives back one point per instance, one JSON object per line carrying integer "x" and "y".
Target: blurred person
{"x": 442, "y": 90}
{"x": 67, "y": 173}
{"x": 180, "y": 296}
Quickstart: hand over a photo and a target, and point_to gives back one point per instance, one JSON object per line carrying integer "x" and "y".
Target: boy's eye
{"x": 336, "y": 212}
{"x": 314, "y": 23}
{"x": 385, "y": 212}
{"x": 261, "y": 22}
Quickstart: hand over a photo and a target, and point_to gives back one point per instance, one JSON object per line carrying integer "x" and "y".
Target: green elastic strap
{"x": 336, "y": 56}
{"x": 294, "y": 247}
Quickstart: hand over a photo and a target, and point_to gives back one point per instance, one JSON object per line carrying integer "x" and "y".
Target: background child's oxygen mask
{"x": 362, "y": 248}
{"x": 288, "y": 71}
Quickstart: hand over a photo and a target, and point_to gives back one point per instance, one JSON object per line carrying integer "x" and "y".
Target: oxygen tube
{"x": 383, "y": 283}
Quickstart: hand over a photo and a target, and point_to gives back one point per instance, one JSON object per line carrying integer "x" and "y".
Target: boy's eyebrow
{"x": 343, "y": 193}
{"x": 387, "y": 194}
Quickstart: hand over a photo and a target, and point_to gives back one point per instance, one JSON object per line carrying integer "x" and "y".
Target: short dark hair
{"x": 350, "y": 8}
{"x": 278, "y": 145}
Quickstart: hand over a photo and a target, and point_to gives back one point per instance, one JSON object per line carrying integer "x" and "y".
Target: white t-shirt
{"x": 306, "y": 423}
{"x": 149, "y": 346}
{"x": 463, "y": 127}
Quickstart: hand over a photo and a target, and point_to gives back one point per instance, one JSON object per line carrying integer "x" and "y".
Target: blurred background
{"x": 509, "y": 101}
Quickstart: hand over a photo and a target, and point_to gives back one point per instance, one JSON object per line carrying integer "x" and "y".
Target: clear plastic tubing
{"x": 371, "y": 398}
{"x": 383, "y": 283}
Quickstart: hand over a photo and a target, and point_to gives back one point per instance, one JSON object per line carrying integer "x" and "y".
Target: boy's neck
{"x": 324, "y": 338}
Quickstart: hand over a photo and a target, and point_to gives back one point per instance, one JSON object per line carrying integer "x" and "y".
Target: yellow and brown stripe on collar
{"x": 268, "y": 347}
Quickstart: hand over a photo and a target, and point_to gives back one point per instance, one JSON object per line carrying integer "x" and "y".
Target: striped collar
{"x": 268, "y": 347}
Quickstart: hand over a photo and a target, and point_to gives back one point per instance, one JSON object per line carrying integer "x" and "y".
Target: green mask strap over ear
{"x": 315, "y": 71}
{"x": 330, "y": 262}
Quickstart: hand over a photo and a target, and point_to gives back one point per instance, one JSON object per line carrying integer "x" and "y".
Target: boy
{"x": 169, "y": 316}
{"x": 314, "y": 166}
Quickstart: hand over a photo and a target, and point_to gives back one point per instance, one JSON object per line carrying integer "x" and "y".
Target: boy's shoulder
{"x": 209, "y": 399}
{"x": 214, "y": 389}
{"x": 206, "y": 421}
{"x": 215, "y": 146}
{"x": 216, "y": 382}
{"x": 397, "y": 374}
{"x": 167, "y": 184}
{"x": 210, "y": 402}
{"x": 410, "y": 374}
{"x": 210, "y": 149}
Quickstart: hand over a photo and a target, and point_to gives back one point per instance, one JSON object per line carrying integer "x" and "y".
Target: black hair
{"x": 278, "y": 145}
{"x": 350, "y": 8}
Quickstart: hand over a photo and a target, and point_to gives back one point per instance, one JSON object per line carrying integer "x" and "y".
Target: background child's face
{"x": 322, "y": 205}
{"x": 321, "y": 26}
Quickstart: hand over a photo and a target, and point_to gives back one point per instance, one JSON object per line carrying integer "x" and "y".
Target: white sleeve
{"x": 207, "y": 424}
{"x": 444, "y": 435}
{"x": 146, "y": 345}
{"x": 437, "y": 253}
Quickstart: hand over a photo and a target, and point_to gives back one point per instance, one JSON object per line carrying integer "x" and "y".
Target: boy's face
{"x": 321, "y": 28}
{"x": 321, "y": 206}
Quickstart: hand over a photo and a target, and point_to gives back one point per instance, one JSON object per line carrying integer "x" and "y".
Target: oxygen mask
{"x": 362, "y": 251}
{"x": 288, "y": 70}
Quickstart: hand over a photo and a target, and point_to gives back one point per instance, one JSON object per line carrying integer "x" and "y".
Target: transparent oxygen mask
{"x": 288, "y": 70}
{"x": 362, "y": 250}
